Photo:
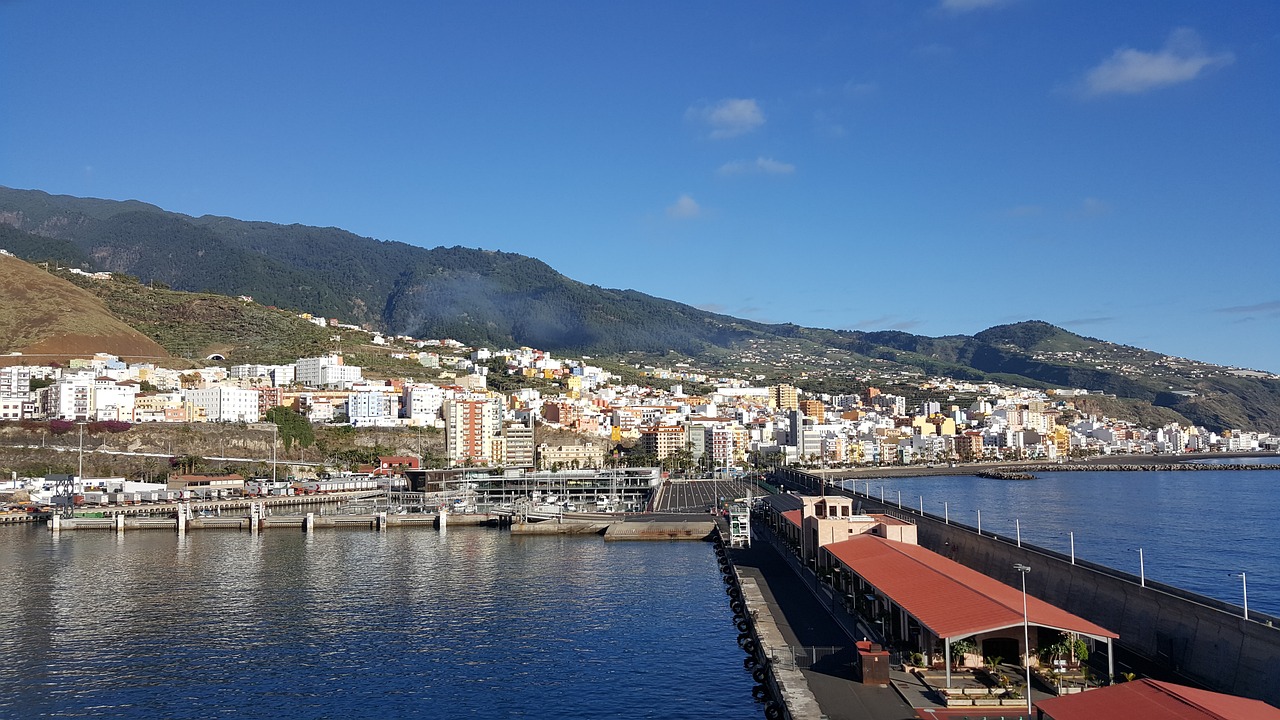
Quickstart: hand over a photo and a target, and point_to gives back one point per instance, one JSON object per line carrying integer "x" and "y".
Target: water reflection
{"x": 403, "y": 623}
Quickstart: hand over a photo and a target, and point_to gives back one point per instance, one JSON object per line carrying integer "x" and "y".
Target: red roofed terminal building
{"x": 922, "y": 600}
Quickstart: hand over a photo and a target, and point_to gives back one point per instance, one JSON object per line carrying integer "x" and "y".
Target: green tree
{"x": 292, "y": 426}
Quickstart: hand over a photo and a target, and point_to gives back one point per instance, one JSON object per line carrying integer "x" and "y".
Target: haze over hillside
{"x": 506, "y": 300}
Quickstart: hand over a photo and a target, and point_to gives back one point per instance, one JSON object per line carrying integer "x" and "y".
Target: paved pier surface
{"x": 803, "y": 620}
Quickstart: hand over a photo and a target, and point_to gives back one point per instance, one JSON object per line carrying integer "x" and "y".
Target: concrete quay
{"x": 307, "y": 522}
{"x": 800, "y": 644}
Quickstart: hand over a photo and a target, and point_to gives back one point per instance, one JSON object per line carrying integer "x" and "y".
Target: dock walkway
{"x": 805, "y": 621}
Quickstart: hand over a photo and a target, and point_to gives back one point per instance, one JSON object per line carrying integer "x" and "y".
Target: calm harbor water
{"x": 356, "y": 624}
{"x": 1195, "y": 528}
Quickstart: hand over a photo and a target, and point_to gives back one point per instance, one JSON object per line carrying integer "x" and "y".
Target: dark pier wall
{"x": 1206, "y": 641}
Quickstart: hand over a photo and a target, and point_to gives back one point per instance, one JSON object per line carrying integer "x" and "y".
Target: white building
{"x": 71, "y": 398}
{"x": 422, "y": 404}
{"x": 225, "y": 404}
{"x": 372, "y": 408}
{"x": 15, "y": 387}
{"x": 326, "y": 372}
{"x": 277, "y": 375}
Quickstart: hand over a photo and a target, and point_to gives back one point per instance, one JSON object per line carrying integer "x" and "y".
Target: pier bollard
{"x": 309, "y": 525}
{"x": 119, "y": 522}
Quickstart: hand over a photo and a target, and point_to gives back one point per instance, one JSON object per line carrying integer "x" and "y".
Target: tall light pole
{"x": 946, "y": 512}
{"x": 80, "y": 476}
{"x": 1142, "y": 569}
{"x": 1017, "y": 524}
{"x": 1072, "y": 535}
{"x": 1026, "y": 631}
{"x": 1244, "y": 586}
{"x": 274, "y": 429}
{"x": 979, "y": 522}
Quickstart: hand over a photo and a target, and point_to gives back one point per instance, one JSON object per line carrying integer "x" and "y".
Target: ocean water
{"x": 1197, "y": 529}
{"x": 354, "y": 624}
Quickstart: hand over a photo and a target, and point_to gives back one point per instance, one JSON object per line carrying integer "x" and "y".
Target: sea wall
{"x": 1203, "y": 640}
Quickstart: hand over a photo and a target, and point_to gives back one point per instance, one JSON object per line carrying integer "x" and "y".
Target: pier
{"x": 1180, "y": 635}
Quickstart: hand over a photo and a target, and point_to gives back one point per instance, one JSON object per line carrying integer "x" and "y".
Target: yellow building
{"x": 784, "y": 397}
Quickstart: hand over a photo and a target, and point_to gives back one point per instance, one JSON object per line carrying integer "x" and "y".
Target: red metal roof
{"x": 792, "y": 516}
{"x": 950, "y": 599}
{"x": 1155, "y": 699}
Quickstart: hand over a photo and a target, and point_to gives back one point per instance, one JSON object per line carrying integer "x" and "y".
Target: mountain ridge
{"x": 507, "y": 299}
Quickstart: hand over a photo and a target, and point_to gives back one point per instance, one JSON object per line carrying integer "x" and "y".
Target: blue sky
{"x": 937, "y": 167}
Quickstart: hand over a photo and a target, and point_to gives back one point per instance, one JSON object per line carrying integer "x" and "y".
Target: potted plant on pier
{"x": 960, "y": 649}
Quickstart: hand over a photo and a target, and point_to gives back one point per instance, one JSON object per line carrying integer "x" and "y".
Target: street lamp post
{"x": 1244, "y": 586}
{"x": 899, "y": 499}
{"x": 1072, "y": 535}
{"x": 1017, "y": 526}
{"x": 921, "y": 506}
{"x": 1026, "y": 631}
{"x": 946, "y": 512}
{"x": 1142, "y": 569}
{"x": 979, "y": 522}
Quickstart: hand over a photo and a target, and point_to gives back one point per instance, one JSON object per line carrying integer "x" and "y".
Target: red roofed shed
{"x": 1154, "y": 699}
{"x": 947, "y": 599}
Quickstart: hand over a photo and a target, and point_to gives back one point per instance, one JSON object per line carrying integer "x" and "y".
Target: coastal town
{"x": 492, "y": 406}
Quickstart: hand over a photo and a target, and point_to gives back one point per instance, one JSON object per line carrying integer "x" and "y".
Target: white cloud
{"x": 684, "y": 207}
{"x": 963, "y": 6}
{"x": 759, "y": 166}
{"x": 1093, "y": 207}
{"x": 1129, "y": 71}
{"x": 728, "y": 118}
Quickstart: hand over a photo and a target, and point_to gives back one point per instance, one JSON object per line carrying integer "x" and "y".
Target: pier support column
{"x": 255, "y": 517}
{"x": 55, "y": 523}
{"x": 182, "y": 519}
{"x": 309, "y": 525}
{"x": 1111, "y": 662}
{"x": 381, "y": 522}
{"x": 119, "y": 523}
{"x": 442, "y": 518}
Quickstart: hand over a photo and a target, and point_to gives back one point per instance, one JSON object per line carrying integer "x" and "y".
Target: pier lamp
{"x": 1244, "y": 587}
{"x": 946, "y": 512}
{"x": 1142, "y": 568}
{"x": 1026, "y": 631}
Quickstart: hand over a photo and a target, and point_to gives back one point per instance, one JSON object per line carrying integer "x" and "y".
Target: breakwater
{"x": 1134, "y": 467}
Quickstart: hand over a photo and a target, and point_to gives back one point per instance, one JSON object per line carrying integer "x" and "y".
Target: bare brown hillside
{"x": 48, "y": 319}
